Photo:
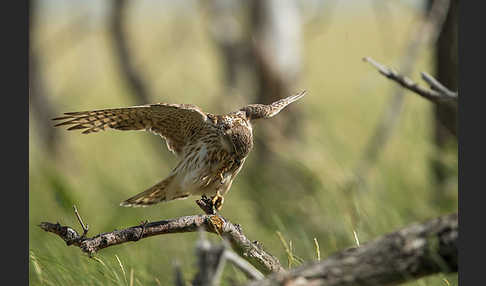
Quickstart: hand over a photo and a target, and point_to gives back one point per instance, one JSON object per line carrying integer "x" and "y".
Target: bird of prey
{"x": 212, "y": 148}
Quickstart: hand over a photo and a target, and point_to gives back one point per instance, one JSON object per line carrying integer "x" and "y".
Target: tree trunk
{"x": 276, "y": 30}
{"x": 41, "y": 106}
{"x": 445, "y": 115}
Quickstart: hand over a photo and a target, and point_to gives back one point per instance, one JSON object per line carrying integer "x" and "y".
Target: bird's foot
{"x": 211, "y": 205}
{"x": 206, "y": 204}
{"x": 217, "y": 201}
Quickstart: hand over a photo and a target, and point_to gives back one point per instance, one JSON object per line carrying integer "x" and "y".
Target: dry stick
{"x": 253, "y": 252}
{"x": 437, "y": 94}
{"x": 428, "y": 32}
{"x": 83, "y": 226}
{"x": 436, "y": 85}
{"x": 410, "y": 253}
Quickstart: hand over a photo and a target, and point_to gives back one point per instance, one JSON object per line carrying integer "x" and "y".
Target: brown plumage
{"x": 212, "y": 148}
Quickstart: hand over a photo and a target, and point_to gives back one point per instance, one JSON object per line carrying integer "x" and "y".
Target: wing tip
{"x": 127, "y": 204}
{"x": 299, "y": 95}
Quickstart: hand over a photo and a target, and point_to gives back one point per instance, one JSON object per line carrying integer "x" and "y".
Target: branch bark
{"x": 251, "y": 251}
{"x": 407, "y": 254}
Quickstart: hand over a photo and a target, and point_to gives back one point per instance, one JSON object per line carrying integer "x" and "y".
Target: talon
{"x": 217, "y": 201}
{"x": 221, "y": 179}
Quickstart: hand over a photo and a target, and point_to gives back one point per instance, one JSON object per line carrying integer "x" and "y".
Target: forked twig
{"x": 85, "y": 228}
{"x": 437, "y": 94}
{"x": 436, "y": 85}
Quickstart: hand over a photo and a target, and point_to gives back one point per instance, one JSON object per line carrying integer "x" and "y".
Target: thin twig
{"x": 436, "y": 85}
{"x": 85, "y": 228}
{"x": 437, "y": 94}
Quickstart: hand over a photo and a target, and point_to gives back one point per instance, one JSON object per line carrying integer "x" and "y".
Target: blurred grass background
{"x": 173, "y": 49}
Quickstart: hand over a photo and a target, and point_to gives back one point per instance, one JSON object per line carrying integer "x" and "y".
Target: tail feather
{"x": 155, "y": 194}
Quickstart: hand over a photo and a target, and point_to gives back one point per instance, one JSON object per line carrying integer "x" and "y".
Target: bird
{"x": 211, "y": 148}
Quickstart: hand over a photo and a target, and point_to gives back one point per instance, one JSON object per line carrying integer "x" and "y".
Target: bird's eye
{"x": 247, "y": 113}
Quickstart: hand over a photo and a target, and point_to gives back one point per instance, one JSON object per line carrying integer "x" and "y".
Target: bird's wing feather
{"x": 174, "y": 122}
{"x": 257, "y": 111}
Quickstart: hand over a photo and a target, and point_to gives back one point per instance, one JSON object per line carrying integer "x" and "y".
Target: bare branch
{"x": 253, "y": 252}
{"x": 84, "y": 227}
{"x": 410, "y": 253}
{"x": 437, "y": 94}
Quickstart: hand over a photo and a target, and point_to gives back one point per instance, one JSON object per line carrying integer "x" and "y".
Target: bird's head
{"x": 241, "y": 139}
{"x": 238, "y": 132}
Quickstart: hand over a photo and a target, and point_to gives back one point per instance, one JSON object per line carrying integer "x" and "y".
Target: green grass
{"x": 345, "y": 99}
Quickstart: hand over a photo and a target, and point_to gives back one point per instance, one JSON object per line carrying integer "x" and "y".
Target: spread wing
{"x": 173, "y": 122}
{"x": 257, "y": 111}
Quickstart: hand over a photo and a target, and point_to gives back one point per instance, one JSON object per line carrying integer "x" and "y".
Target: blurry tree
{"x": 445, "y": 115}
{"x": 39, "y": 101}
{"x": 262, "y": 37}
{"x": 276, "y": 42}
{"x": 137, "y": 84}
{"x": 227, "y": 29}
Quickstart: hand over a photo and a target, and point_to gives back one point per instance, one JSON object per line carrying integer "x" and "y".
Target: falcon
{"x": 212, "y": 148}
